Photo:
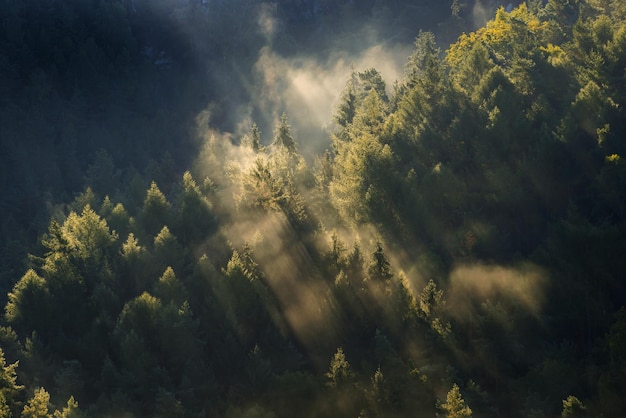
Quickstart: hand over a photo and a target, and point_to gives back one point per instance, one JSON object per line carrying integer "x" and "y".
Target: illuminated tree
{"x": 195, "y": 221}
{"x": 71, "y": 410}
{"x": 259, "y": 188}
{"x": 85, "y": 198}
{"x": 155, "y": 212}
{"x": 363, "y": 180}
{"x": 169, "y": 289}
{"x": 347, "y": 106}
{"x": 573, "y": 408}
{"x": 371, "y": 80}
{"x": 370, "y": 116}
{"x": 89, "y": 242}
{"x": 455, "y": 406}
{"x": 377, "y": 394}
{"x": 339, "y": 373}
{"x": 25, "y": 309}
{"x": 38, "y": 406}
{"x": 253, "y": 139}
{"x": 364, "y": 95}
{"x": 168, "y": 251}
{"x": 9, "y": 389}
{"x": 119, "y": 220}
{"x": 283, "y": 136}
{"x": 425, "y": 61}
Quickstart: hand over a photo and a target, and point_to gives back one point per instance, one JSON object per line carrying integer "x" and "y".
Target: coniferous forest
{"x": 350, "y": 208}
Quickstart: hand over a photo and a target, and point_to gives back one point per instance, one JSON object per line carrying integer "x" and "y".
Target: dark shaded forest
{"x": 229, "y": 208}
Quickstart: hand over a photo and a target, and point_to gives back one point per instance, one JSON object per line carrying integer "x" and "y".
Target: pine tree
{"x": 155, "y": 213}
{"x": 455, "y": 406}
{"x": 379, "y": 269}
{"x": 9, "y": 389}
{"x": 283, "y": 136}
{"x": 253, "y": 139}
{"x": 195, "y": 221}
{"x": 70, "y": 410}
{"x": 348, "y": 103}
{"x": 38, "y": 406}
{"x": 573, "y": 408}
{"x": 25, "y": 309}
{"x": 339, "y": 372}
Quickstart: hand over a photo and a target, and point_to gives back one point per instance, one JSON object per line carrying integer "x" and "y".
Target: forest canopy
{"x": 455, "y": 250}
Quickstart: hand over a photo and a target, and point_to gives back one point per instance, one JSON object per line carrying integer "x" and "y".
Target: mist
{"x": 306, "y": 85}
{"x": 303, "y": 72}
{"x": 522, "y": 285}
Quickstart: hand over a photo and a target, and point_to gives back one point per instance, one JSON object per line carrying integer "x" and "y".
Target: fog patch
{"x": 308, "y": 89}
{"x": 267, "y": 20}
{"x": 304, "y": 299}
{"x": 522, "y": 285}
{"x": 481, "y": 14}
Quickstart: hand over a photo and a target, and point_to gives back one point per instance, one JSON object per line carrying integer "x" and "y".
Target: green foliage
{"x": 155, "y": 213}
{"x": 88, "y": 238}
{"x": 70, "y": 410}
{"x": 28, "y": 298}
{"x": 195, "y": 221}
{"x": 283, "y": 136}
{"x": 168, "y": 251}
{"x": 84, "y": 199}
{"x": 274, "y": 185}
{"x": 361, "y": 182}
{"x": 252, "y": 140}
{"x": 425, "y": 59}
{"x": 378, "y": 393}
{"x": 339, "y": 372}
{"x": 9, "y": 389}
{"x": 455, "y": 406}
{"x": 379, "y": 269}
{"x": 370, "y": 116}
{"x": 142, "y": 315}
{"x": 344, "y": 115}
{"x": 431, "y": 306}
{"x": 363, "y": 106}
{"x": 260, "y": 188}
{"x": 573, "y": 408}
{"x": 169, "y": 289}
{"x": 38, "y": 406}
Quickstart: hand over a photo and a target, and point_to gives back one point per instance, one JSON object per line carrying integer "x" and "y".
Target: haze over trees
{"x": 456, "y": 250}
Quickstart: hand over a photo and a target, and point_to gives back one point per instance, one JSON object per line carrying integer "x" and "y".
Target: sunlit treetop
{"x": 501, "y": 35}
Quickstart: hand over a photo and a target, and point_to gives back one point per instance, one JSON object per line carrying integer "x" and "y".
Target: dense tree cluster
{"x": 457, "y": 251}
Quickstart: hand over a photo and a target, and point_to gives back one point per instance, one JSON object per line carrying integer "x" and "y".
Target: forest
{"x": 312, "y": 208}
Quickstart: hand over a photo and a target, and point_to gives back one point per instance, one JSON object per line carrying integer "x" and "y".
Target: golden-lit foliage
{"x": 362, "y": 167}
{"x": 455, "y": 406}
{"x": 507, "y": 38}
{"x": 87, "y": 235}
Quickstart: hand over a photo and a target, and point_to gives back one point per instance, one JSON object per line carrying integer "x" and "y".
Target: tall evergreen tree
{"x": 283, "y": 136}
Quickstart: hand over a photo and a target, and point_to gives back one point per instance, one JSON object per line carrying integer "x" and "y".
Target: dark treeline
{"x": 457, "y": 251}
